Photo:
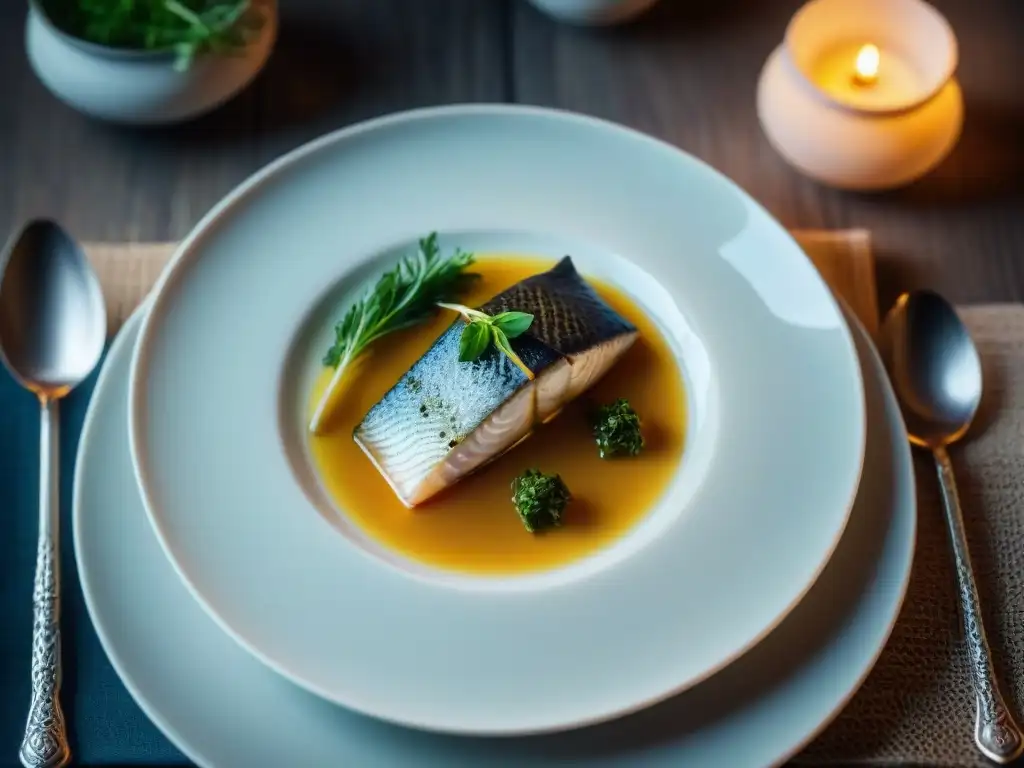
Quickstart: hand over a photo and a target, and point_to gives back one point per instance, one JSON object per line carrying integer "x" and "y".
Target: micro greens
{"x": 617, "y": 430}
{"x": 184, "y": 27}
{"x": 401, "y": 298}
{"x": 482, "y": 330}
{"x": 540, "y": 500}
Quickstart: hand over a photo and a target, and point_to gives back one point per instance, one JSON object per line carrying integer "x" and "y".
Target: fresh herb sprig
{"x": 540, "y": 500}
{"x": 186, "y": 27}
{"x": 403, "y": 297}
{"x": 482, "y": 330}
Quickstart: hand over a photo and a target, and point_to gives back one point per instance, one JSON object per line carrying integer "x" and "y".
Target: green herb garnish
{"x": 482, "y": 330}
{"x": 403, "y": 297}
{"x": 185, "y": 27}
{"x": 617, "y": 430}
{"x": 540, "y": 499}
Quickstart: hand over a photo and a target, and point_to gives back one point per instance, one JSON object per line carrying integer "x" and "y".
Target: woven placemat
{"x": 917, "y": 706}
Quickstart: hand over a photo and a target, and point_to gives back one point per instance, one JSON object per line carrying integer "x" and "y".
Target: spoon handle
{"x": 45, "y": 744}
{"x": 995, "y": 731}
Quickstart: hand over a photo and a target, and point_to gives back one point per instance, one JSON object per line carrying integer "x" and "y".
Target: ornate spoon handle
{"x": 995, "y": 731}
{"x": 45, "y": 744}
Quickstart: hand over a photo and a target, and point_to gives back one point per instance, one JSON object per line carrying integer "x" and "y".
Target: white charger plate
{"x": 222, "y": 708}
{"x": 243, "y": 314}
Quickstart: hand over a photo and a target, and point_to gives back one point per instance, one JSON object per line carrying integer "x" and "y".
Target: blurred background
{"x": 686, "y": 72}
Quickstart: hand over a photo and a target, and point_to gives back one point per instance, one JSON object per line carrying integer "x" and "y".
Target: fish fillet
{"x": 444, "y": 419}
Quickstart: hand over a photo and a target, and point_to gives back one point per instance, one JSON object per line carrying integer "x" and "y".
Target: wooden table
{"x": 687, "y": 73}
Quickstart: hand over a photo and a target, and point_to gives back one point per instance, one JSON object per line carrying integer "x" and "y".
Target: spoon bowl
{"x": 52, "y": 317}
{"x": 53, "y": 326}
{"x": 934, "y": 366}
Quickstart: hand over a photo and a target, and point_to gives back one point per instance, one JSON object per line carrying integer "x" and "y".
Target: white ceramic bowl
{"x": 140, "y": 87}
{"x": 236, "y": 333}
{"x": 594, "y": 12}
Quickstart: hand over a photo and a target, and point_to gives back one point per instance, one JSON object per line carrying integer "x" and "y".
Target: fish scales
{"x": 444, "y": 419}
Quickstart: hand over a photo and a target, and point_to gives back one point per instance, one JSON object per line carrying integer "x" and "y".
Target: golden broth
{"x": 473, "y": 527}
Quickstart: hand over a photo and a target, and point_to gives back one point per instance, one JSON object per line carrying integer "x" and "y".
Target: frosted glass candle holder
{"x": 861, "y": 94}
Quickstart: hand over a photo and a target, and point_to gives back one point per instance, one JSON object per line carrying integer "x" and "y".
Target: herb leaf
{"x": 405, "y": 296}
{"x": 481, "y": 325}
{"x": 501, "y": 342}
{"x": 513, "y": 323}
{"x": 474, "y": 340}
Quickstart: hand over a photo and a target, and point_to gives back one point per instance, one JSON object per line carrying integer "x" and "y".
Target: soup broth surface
{"x": 473, "y": 527}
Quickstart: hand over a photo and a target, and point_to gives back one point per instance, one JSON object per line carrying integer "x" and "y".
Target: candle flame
{"x": 866, "y": 67}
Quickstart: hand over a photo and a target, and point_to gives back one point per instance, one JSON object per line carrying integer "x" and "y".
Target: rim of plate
{"x": 150, "y": 708}
{"x": 186, "y": 253}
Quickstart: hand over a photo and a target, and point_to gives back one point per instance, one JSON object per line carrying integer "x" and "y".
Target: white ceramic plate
{"x": 243, "y": 314}
{"x": 224, "y": 709}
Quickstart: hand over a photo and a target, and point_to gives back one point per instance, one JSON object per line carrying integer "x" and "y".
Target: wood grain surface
{"x": 686, "y": 72}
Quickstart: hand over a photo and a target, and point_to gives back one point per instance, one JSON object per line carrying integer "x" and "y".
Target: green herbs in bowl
{"x": 182, "y": 27}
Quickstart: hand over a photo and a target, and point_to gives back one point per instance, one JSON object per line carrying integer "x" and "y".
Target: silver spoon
{"x": 936, "y": 373}
{"x": 53, "y": 324}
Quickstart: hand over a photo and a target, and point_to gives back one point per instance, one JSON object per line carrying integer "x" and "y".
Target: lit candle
{"x": 865, "y": 70}
{"x": 861, "y": 93}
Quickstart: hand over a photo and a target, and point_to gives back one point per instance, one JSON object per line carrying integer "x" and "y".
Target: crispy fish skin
{"x": 568, "y": 314}
{"x": 444, "y": 419}
{"x": 571, "y": 317}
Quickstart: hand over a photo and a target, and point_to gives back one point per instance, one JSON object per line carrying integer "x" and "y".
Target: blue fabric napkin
{"x": 106, "y": 727}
